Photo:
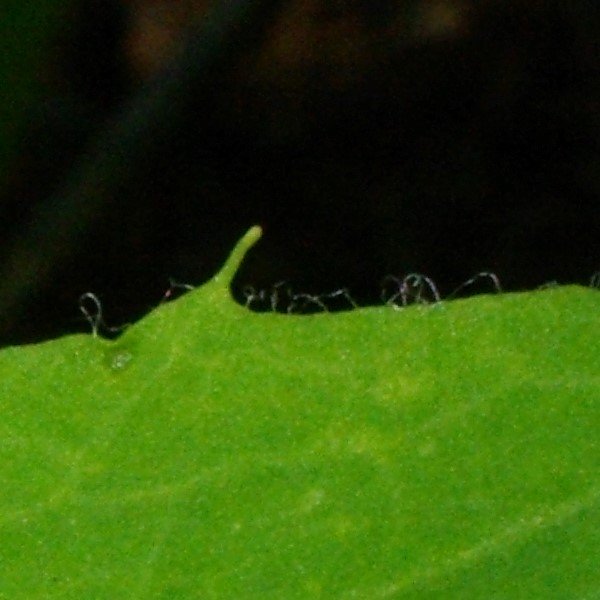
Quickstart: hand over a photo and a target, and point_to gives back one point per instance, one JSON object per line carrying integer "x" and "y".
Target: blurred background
{"x": 139, "y": 139}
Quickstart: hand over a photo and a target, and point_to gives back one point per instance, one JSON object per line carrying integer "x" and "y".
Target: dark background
{"x": 367, "y": 137}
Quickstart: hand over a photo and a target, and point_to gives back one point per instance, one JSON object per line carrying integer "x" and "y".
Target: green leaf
{"x": 443, "y": 451}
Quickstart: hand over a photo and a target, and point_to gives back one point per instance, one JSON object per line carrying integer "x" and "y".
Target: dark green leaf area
{"x": 445, "y": 451}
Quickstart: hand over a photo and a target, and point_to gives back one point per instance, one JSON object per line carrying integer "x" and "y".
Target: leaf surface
{"x": 446, "y": 451}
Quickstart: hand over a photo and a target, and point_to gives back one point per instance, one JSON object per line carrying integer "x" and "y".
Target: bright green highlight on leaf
{"x": 446, "y": 451}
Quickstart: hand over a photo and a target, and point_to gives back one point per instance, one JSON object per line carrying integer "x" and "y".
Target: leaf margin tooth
{"x": 227, "y": 272}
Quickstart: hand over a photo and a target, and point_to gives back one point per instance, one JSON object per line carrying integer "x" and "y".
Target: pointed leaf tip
{"x": 225, "y": 276}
